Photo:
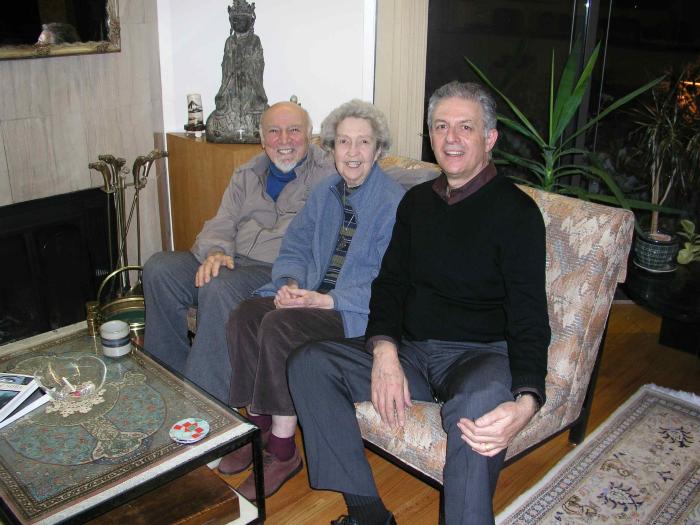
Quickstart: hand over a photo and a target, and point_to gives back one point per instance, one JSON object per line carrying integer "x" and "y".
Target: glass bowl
{"x": 71, "y": 378}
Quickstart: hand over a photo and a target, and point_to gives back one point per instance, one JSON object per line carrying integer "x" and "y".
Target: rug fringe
{"x": 690, "y": 397}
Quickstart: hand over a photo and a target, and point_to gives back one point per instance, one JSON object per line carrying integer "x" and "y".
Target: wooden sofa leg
{"x": 441, "y": 510}
{"x": 578, "y": 431}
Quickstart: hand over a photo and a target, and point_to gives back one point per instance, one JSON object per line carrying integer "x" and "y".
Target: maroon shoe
{"x": 276, "y": 472}
{"x": 239, "y": 460}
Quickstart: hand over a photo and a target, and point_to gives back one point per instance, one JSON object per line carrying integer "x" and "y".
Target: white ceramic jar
{"x": 116, "y": 338}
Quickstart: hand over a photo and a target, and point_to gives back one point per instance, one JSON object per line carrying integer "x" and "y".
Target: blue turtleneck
{"x": 277, "y": 179}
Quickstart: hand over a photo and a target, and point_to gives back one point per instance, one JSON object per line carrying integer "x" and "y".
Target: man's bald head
{"x": 285, "y": 131}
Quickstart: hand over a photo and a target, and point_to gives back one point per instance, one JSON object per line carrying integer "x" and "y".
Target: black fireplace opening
{"x": 54, "y": 253}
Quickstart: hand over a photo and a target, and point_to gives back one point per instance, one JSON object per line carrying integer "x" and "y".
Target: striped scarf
{"x": 342, "y": 245}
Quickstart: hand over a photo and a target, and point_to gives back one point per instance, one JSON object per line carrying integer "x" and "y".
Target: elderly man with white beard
{"x": 233, "y": 254}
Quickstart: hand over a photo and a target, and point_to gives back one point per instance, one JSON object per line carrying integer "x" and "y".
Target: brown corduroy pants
{"x": 260, "y": 338}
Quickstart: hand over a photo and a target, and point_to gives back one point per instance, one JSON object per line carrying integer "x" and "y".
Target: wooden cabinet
{"x": 199, "y": 172}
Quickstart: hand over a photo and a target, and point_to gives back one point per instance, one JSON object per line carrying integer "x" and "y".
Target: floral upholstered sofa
{"x": 587, "y": 248}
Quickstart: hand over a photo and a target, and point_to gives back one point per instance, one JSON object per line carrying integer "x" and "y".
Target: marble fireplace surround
{"x": 58, "y": 114}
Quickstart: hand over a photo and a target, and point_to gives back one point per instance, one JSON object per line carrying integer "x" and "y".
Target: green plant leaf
{"x": 684, "y": 256}
{"x": 596, "y": 172}
{"x": 612, "y": 107}
{"x": 520, "y": 180}
{"x": 570, "y": 106}
{"x": 566, "y": 84}
{"x": 633, "y": 204}
{"x": 533, "y": 167}
{"x": 568, "y": 171}
{"x": 553, "y": 110}
{"x": 688, "y": 226}
{"x": 516, "y": 126}
{"x": 512, "y": 106}
{"x": 573, "y": 151}
{"x": 576, "y": 191}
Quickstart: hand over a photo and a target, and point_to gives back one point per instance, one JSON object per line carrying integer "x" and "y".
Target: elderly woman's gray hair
{"x": 467, "y": 91}
{"x": 357, "y": 109}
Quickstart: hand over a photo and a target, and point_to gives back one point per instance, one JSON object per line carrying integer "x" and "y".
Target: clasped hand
{"x": 493, "y": 432}
{"x": 291, "y": 296}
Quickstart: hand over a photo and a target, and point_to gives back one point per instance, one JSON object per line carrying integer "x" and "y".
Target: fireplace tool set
{"x": 118, "y": 297}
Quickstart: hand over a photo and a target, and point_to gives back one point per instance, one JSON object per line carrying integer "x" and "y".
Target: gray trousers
{"x": 260, "y": 338}
{"x": 326, "y": 378}
{"x": 169, "y": 291}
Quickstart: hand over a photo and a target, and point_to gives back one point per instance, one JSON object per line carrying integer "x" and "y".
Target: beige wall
{"x": 57, "y": 114}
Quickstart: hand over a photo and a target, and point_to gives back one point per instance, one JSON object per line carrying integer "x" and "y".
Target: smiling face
{"x": 285, "y": 135}
{"x": 458, "y": 141}
{"x": 355, "y": 150}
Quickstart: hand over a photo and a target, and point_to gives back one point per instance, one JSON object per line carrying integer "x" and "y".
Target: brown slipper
{"x": 239, "y": 460}
{"x": 275, "y": 472}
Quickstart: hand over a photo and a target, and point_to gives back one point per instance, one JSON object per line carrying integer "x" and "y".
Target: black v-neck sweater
{"x": 470, "y": 271}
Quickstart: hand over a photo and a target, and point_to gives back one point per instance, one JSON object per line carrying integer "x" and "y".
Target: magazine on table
{"x": 14, "y": 390}
{"x": 31, "y": 403}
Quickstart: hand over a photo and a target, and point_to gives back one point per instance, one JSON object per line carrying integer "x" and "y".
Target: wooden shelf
{"x": 199, "y": 172}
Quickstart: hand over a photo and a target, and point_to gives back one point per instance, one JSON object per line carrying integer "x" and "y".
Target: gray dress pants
{"x": 169, "y": 290}
{"x": 326, "y": 378}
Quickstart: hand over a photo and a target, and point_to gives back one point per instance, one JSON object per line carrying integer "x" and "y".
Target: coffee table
{"x": 67, "y": 463}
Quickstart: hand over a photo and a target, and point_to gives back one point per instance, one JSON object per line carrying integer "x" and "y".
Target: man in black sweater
{"x": 458, "y": 313}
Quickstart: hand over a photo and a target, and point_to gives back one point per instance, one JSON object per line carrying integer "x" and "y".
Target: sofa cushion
{"x": 408, "y": 177}
{"x": 408, "y": 172}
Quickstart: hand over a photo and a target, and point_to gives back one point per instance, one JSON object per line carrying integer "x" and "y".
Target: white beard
{"x": 285, "y": 167}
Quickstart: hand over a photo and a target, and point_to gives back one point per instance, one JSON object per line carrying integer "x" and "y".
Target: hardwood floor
{"x": 632, "y": 357}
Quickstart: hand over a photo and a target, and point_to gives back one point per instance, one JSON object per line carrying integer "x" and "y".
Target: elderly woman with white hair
{"x": 320, "y": 286}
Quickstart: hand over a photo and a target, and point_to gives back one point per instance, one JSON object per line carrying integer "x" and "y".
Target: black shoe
{"x": 347, "y": 520}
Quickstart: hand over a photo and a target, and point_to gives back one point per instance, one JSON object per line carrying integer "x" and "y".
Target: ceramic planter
{"x": 656, "y": 253}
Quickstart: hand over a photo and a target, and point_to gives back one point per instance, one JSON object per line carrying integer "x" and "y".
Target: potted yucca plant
{"x": 667, "y": 141}
{"x": 559, "y": 159}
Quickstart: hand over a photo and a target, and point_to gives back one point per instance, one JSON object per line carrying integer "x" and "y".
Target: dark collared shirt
{"x": 454, "y": 195}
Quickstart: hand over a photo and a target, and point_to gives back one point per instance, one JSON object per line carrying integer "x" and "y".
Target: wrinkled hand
{"x": 291, "y": 296}
{"x": 390, "y": 393}
{"x": 493, "y": 431}
{"x": 284, "y": 294}
{"x": 210, "y": 268}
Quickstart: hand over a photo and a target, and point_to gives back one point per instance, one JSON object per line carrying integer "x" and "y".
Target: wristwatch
{"x": 532, "y": 394}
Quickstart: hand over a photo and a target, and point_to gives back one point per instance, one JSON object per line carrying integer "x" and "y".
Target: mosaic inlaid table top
{"x": 65, "y": 458}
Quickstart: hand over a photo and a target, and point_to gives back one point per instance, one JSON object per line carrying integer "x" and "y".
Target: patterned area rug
{"x": 641, "y": 466}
